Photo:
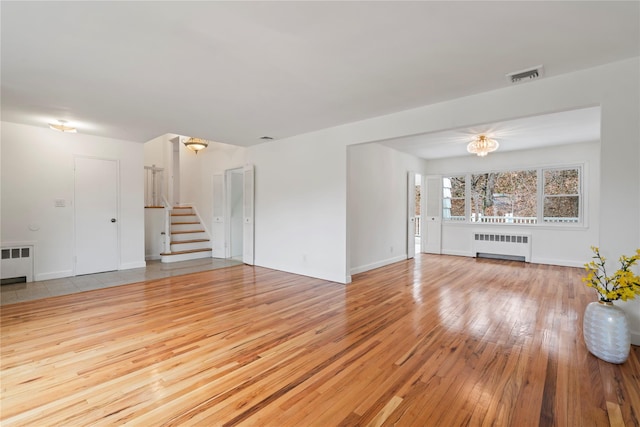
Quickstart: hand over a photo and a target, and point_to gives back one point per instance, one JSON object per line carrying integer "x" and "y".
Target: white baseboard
{"x": 130, "y": 265}
{"x": 53, "y": 275}
{"x": 378, "y": 264}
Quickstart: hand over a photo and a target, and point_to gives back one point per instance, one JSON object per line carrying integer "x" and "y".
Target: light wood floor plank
{"x": 438, "y": 340}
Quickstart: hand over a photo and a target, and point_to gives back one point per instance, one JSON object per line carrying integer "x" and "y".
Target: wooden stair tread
{"x": 190, "y": 251}
{"x": 189, "y": 241}
{"x": 183, "y": 223}
{"x": 183, "y": 214}
{"x": 154, "y": 207}
{"x": 182, "y": 207}
{"x": 188, "y": 231}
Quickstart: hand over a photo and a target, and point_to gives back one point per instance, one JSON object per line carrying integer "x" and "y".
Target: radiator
{"x": 502, "y": 245}
{"x": 17, "y": 264}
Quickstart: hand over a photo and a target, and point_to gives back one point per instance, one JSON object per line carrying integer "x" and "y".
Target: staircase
{"x": 189, "y": 239}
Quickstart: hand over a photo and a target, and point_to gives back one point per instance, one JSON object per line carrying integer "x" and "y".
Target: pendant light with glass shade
{"x": 482, "y": 145}
{"x": 196, "y": 144}
{"x": 62, "y": 126}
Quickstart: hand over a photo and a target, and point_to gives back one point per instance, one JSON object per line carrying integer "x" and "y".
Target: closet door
{"x": 218, "y": 237}
{"x": 96, "y": 215}
{"x": 248, "y": 213}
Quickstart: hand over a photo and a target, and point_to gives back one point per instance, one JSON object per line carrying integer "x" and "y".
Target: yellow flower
{"x": 623, "y": 284}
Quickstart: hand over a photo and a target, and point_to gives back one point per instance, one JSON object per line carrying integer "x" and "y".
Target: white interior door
{"x": 96, "y": 215}
{"x": 432, "y": 216}
{"x": 248, "y": 214}
{"x": 411, "y": 214}
{"x": 235, "y": 214}
{"x": 218, "y": 232}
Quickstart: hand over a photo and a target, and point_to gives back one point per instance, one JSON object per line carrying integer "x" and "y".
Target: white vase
{"x": 606, "y": 332}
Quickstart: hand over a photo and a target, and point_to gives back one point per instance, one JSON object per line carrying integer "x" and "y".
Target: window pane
{"x": 453, "y": 203}
{"x": 561, "y": 195}
{"x": 504, "y": 197}
{"x": 561, "y": 209}
{"x": 457, "y": 207}
{"x": 457, "y": 186}
{"x": 561, "y": 181}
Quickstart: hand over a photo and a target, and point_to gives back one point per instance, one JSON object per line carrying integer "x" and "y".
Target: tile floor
{"x": 19, "y": 292}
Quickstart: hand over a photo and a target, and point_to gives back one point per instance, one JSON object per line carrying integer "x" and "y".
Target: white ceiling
{"x": 567, "y": 127}
{"x": 235, "y": 71}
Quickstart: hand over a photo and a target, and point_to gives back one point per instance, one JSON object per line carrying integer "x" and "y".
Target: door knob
{"x": 113, "y": 220}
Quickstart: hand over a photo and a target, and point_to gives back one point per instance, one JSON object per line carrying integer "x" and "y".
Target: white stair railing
{"x": 153, "y": 184}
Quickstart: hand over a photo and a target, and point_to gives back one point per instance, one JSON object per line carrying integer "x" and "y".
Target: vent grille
{"x": 508, "y": 238}
{"x": 17, "y": 264}
{"x": 526, "y": 75}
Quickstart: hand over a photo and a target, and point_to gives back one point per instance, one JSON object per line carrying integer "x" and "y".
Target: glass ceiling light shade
{"x": 62, "y": 126}
{"x": 196, "y": 144}
{"x": 482, "y": 145}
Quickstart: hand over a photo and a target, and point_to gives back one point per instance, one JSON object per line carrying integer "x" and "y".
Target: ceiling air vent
{"x": 526, "y": 75}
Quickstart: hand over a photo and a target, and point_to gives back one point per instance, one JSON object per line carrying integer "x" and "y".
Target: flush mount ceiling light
{"x": 196, "y": 144}
{"x": 482, "y": 145}
{"x": 62, "y": 126}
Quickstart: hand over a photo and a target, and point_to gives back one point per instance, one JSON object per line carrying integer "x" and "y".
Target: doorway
{"x": 418, "y": 214}
{"x": 96, "y": 215}
{"x": 414, "y": 208}
{"x": 233, "y": 210}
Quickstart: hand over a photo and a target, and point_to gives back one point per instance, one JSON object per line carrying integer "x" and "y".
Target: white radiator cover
{"x": 507, "y": 245}
{"x": 17, "y": 261}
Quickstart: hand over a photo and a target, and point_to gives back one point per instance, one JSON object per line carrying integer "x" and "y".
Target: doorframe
{"x": 118, "y": 212}
{"x": 221, "y": 221}
{"x": 423, "y": 208}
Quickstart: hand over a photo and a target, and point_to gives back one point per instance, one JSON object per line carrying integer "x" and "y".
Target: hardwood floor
{"x": 439, "y": 341}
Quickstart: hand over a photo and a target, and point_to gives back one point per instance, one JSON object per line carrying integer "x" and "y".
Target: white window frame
{"x": 540, "y": 197}
{"x": 451, "y": 198}
{"x": 580, "y": 219}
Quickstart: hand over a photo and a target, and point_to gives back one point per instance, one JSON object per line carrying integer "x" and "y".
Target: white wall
{"x": 37, "y": 168}
{"x": 557, "y": 244}
{"x": 153, "y": 233}
{"x": 377, "y": 204}
{"x": 155, "y": 153}
{"x": 300, "y": 205}
{"x": 216, "y": 158}
{"x": 301, "y": 182}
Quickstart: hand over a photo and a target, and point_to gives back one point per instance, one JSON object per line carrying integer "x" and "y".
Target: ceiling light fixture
{"x": 62, "y": 126}
{"x": 196, "y": 144}
{"x": 482, "y": 145}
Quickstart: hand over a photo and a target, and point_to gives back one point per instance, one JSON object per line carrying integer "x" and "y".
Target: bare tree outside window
{"x": 511, "y": 197}
{"x": 561, "y": 195}
{"x": 454, "y": 198}
{"x": 504, "y": 197}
